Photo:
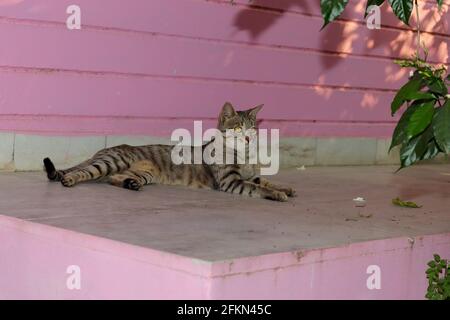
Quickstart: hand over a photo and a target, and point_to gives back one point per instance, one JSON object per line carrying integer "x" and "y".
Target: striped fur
{"x": 133, "y": 167}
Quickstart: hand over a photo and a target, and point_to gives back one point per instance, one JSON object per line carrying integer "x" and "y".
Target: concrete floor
{"x": 216, "y": 226}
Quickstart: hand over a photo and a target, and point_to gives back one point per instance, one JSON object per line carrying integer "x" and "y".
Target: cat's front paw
{"x": 291, "y": 192}
{"x": 281, "y": 196}
{"x": 278, "y": 196}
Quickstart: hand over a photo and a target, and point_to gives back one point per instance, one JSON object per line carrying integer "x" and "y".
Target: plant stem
{"x": 418, "y": 28}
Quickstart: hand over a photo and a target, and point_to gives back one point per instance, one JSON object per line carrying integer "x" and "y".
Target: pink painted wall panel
{"x": 333, "y": 273}
{"x": 156, "y": 61}
{"x": 142, "y": 96}
{"x": 238, "y": 24}
{"x": 167, "y": 56}
{"x": 114, "y": 270}
{"x": 42, "y": 254}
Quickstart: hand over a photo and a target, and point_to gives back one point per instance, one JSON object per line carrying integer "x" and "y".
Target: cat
{"x": 133, "y": 167}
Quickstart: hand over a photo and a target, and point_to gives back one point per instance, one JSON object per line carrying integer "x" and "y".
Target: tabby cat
{"x": 133, "y": 167}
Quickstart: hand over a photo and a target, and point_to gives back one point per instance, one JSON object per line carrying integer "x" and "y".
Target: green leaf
{"x": 438, "y": 86}
{"x": 419, "y": 95}
{"x": 409, "y": 154}
{"x": 400, "y": 135}
{"x": 406, "y": 204}
{"x": 372, "y": 3}
{"x": 331, "y": 9}
{"x": 434, "y": 296}
{"x": 402, "y": 9}
{"x": 420, "y": 119}
{"x": 418, "y": 148}
{"x": 441, "y": 127}
{"x": 440, "y": 3}
{"x": 437, "y": 257}
{"x": 431, "y": 264}
{"x": 412, "y": 86}
{"x": 432, "y": 150}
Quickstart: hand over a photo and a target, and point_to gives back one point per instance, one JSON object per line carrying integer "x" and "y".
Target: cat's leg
{"x": 57, "y": 175}
{"x": 104, "y": 163}
{"x": 132, "y": 179}
{"x": 233, "y": 183}
{"x": 93, "y": 169}
{"x": 250, "y": 189}
{"x": 290, "y": 192}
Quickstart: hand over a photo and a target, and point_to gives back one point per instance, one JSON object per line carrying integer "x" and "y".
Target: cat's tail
{"x": 52, "y": 173}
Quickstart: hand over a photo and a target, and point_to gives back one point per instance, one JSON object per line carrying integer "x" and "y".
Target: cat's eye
{"x": 237, "y": 129}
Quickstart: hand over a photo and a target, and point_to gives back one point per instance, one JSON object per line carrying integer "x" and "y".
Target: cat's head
{"x": 238, "y": 123}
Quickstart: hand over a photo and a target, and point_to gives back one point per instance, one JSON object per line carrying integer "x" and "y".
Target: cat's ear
{"x": 254, "y": 111}
{"x": 227, "y": 111}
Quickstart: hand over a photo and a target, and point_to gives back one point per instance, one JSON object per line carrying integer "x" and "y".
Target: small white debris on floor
{"x": 359, "y": 202}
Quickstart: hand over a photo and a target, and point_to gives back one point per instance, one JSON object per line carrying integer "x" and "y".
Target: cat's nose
{"x": 247, "y": 139}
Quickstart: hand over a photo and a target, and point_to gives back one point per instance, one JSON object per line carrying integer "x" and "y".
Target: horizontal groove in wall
{"x": 246, "y": 44}
{"x": 49, "y": 71}
{"x": 256, "y": 45}
{"x": 163, "y": 127}
{"x": 93, "y": 117}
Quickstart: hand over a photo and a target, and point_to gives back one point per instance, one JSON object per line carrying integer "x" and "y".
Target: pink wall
{"x": 114, "y": 270}
{"x": 148, "y": 66}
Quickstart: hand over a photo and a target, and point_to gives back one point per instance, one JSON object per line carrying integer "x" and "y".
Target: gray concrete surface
{"x": 215, "y": 226}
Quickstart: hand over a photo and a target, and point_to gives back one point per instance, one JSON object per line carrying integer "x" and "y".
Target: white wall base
{"x": 22, "y": 152}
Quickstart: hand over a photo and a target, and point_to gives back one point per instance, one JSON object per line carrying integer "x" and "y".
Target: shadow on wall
{"x": 399, "y": 45}
{"x": 263, "y": 19}
{"x": 340, "y": 37}
{"x": 251, "y": 20}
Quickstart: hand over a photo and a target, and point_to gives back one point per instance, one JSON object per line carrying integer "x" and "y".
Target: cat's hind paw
{"x": 68, "y": 181}
{"x": 132, "y": 184}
